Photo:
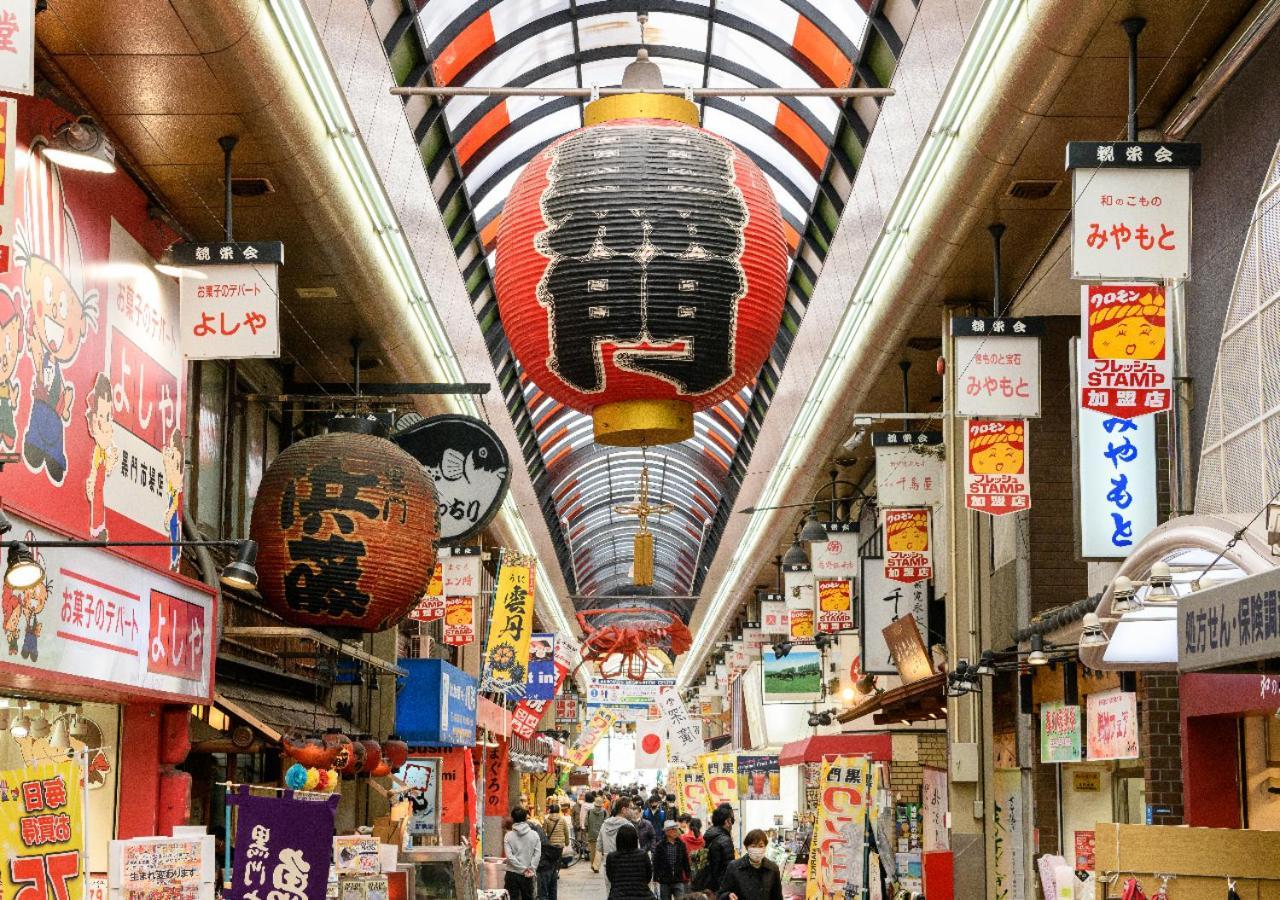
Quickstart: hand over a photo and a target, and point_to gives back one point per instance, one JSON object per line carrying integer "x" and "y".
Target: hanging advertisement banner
{"x": 1131, "y": 209}
{"x": 933, "y": 810}
{"x": 774, "y": 618}
{"x": 693, "y": 792}
{"x": 230, "y": 299}
{"x": 883, "y": 603}
{"x": 910, "y": 468}
{"x": 908, "y": 554}
{"x": 1059, "y": 732}
{"x": 8, "y": 177}
{"x": 1117, "y": 476}
{"x": 592, "y": 732}
{"x": 835, "y": 605}
{"x": 651, "y": 744}
{"x": 459, "y": 621}
{"x": 836, "y": 557}
{"x": 996, "y": 477}
{"x": 835, "y": 853}
{"x": 684, "y": 735}
{"x": 457, "y": 783}
{"x": 798, "y": 586}
{"x": 1010, "y": 835}
{"x": 542, "y": 667}
{"x": 759, "y": 778}
{"x": 42, "y": 831}
{"x": 720, "y": 775}
{"x": 528, "y": 712}
{"x": 496, "y": 762}
{"x": 506, "y": 655}
{"x": 18, "y": 47}
{"x": 794, "y": 678}
{"x": 282, "y": 844}
{"x": 421, "y": 778}
{"x": 566, "y": 710}
{"x": 1112, "y": 725}
{"x": 431, "y": 606}
{"x": 1126, "y": 371}
{"x": 460, "y": 572}
{"x": 997, "y": 366}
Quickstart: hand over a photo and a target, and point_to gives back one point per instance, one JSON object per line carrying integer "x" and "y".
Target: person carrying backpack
{"x": 719, "y": 840}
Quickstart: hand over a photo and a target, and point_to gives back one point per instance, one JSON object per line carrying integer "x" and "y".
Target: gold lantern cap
{"x": 643, "y": 76}
{"x": 643, "y": 423}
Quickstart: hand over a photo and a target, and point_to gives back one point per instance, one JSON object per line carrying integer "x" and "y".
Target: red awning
{"x": 878, "y": 745}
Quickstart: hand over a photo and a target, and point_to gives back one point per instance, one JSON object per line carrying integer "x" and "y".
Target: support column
{"x": 155, "y": 796}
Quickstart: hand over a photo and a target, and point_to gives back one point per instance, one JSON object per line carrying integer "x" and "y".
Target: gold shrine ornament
{"x": 642, "y": 545}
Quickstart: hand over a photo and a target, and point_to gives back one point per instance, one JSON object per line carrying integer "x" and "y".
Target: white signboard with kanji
{"x": 1131, "y": 223}
{"x": 460, "y": 574}
{"x": 837, "y": 556}
{"x": 1117, "y": 466}
{"x": 18, "y": 46}
{"x": 997, "y": 366}
{"x": 230, "y": 299}
{"x": 909, "y": 468}
{"x": 1127, "y": 371}
{"x": 684, "y": 735}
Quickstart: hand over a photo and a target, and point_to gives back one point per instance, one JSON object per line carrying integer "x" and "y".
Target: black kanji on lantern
{"x": 645, "y": 237}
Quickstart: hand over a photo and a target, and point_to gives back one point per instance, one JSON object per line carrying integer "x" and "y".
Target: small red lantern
{"x": 641, "y": 269}
{"x": 346, "y": 525}
{"x": 311, "y": 751}
{"x": 382, "y": 771}
{"x": 355, "y": 760}
{"x": 372, "y": 756}
{"x": 395, "y": 752}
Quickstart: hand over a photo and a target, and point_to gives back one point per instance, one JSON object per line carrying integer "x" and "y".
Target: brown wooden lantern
{"x": 346, "y": 525}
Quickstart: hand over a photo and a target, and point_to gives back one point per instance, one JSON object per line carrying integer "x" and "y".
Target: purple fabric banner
{"x": 283, "y": 847}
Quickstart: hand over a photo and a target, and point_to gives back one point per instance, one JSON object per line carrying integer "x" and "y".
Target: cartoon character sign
{"x": 996, "y": 472}
{"x": 1126, "y": 325}
{"x": 173, "y": 472}
{"x": 908, "y": 557}
{"x": 21, "y": 614}
{"x": 105, "y": 454}
{"x": 11, "y": 341}
{"x": 60, "y": 312}
{"x": 1125, "y": 371}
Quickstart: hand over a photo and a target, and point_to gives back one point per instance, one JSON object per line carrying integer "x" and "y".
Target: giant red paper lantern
{"x": 346, "y": 526}
{"x": 641, "y": 269}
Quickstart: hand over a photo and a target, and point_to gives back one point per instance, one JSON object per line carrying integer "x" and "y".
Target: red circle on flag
{"x": 651, "y": 743}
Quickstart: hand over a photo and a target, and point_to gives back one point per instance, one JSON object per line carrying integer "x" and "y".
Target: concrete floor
{"x": 580, "y": 883}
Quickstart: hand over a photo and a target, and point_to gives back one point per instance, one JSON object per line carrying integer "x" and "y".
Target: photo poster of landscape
{"x": 794, "y": 678}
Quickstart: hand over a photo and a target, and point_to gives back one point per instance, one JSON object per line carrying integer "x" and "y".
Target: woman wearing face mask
{"x": 752, "y": 877}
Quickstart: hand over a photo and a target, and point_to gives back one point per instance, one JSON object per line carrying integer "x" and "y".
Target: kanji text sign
{"x": 1234, "y": 623}
{"x": 1131, "y": 223}
{"x": 997, "y": 365}
{"x": 230, "y": 299}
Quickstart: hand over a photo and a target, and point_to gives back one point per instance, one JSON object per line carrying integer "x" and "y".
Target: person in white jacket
{"x": 609, "y": 830}
{"x": 524, "y": 849}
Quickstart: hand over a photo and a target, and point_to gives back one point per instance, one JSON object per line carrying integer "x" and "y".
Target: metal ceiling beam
{"x": 467, "y": 90}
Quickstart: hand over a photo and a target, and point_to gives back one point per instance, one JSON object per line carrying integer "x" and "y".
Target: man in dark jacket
{"x": 671, "y": 863}
{"x": 647, "y": 834}
{"x": 656, "y": 814}
{"x": 719, "y": 838}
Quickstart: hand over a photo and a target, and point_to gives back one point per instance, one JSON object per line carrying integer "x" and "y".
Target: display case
{"x": 439, "y": 873}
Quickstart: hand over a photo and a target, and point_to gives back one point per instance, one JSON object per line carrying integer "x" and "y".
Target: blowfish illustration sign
{"x": 995, "y": 478}
{"x": 469, "y": 466}
{"x": 1127, "y": 371}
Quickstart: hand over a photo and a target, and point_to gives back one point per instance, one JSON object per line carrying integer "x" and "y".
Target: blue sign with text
{"x": 437, "y": 705}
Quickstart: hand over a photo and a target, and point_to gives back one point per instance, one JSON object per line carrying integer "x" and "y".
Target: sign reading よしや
{"x": 1126, "y": 371}
{"x": 996, "y": 475}
{"x": 230, "y": 299}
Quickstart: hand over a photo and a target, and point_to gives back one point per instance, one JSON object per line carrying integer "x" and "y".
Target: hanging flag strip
{"x": 506, "y": 669}
{"x": 720, "y": 775}
{"x": 908, "y": 554}
{"x": 835, "y": 854}
{"x": 693, "y": 793}
{"x": 283, "y": 845}
{"x": 684, "y": 735}
{"x": 1127, "y": 371}
{"x": 996, "y": 473}
{"x": 595, "y": 729}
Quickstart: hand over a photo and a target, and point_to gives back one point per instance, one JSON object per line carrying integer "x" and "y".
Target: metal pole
{"x": 590, "y": 93}
{"x": 1133, "y": 27}
{"x": 905, "y": 366}
{"x": 228, "y": 143}
{"x": 997, "y": 232}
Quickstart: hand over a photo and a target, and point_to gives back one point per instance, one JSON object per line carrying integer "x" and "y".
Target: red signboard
{"x": 176, "y": 637}
{"x": 495, "y": 780}
{"x": 1126, "y": 371}
{"x": 996, "y": 479}
{"x": 908, "y": 556}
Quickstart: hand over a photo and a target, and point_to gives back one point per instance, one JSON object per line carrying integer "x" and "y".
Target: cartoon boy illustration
{"x": 12, "y": 618}
{"x": 60, "y": 313}
{"x": 1129, "y": 329}
{"x": 10, "y": 352}
{"x": 173, "y": 472}
{"x": 105, "y": 453}
{"x": 997, "y": 452}
{"x": 31, "y": 604}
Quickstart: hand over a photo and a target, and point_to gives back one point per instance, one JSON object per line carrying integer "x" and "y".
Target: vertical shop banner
{"x": 1010, "y": 835}
{"x": 996, "y": 477}
{"x": 759, "y": 778}
{"x": 910, "y": 468}
{"x": 793, "y": 678}
{"x": 497, "y": 761}
{"x": 8, "y": 178}
{"x": 684, "y": 735}
{"x": 835, "y": 605}
{"x": 459, "y": 621}
{"x": 934, "y": 834}
{"x": 230, "y": 299}
{"x": 456, "y": 767}
{"x": 432, "y": 604}
{"x": 506, "y": 669}
{"x": 1117, "y": 468}
{"x": 17, "y": 48}
{"x": 595, "y": 729}
{"x": 1112, "y": 725}
{"x": 651, "y": 744}
{"x": 1127, "y": 371}
{"x": 773, "y": 615}
{"x": 283, "y": 845}
{"x": 835, "y": 853}
{"x": 997, "y": 366}
{"x": 528, "y": 712}
{"x": 883, "y": 603}
{"x": 798, "y": 587}
{"x": 542, "y": 667}
{"x": 42, "y": 831}
{"x": 1131, "y": 209}
{"x": 693, "y": 793}
{"x": 720, "y": 774}
{"x": 566, "y": 710}
{"x": 421, "y": 778}
{"x": 1059, "y": 733}
{"x": 908, "y": 552}
{"x": 837, "y": 556}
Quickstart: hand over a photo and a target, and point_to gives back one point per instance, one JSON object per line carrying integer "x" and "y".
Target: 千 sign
{"x": 997, "y": 365}
{"x": 996, "y": 473}
{"x": 230, "y": 297}
{"x": 1126, "y": 371}
{"x": 469, "y": 466}
{"x": 908, "y": 554}
{"x": 1131, "y": 211}
{"x": 910, "y": 470}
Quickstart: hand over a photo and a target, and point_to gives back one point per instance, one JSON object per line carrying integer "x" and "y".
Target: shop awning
{"x": 275, "y": 714}
{"x": 878, "y": 746}
{"x": 916, "y": 702}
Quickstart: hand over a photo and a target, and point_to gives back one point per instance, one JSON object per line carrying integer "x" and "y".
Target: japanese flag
{"x": 651, "y": 744}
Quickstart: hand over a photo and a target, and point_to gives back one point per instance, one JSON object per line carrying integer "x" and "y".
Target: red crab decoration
{"x": 632, "y": 642}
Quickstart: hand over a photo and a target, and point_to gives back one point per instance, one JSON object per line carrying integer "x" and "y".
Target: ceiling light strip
{"x": 974, "y": 72}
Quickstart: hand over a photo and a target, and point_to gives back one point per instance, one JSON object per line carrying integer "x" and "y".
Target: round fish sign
{"x": 469, "y": 466}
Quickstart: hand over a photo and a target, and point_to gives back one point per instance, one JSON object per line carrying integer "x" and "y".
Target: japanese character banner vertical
{"x": 835, "y": 855}
{"x": 595, "y": 729}
{"x": 284, "y": 847}
{"x": 42, "y": 834}
{"x": 996, "y": 477}
{"x": 506, "y": 668}
{"x": 720, "y": 775}
{"x": 684, "y": 735}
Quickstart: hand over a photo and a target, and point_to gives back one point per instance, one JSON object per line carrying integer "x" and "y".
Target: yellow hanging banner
{"x": 720, "y": 775}
{"x": 835, "y": 856}
{"x": 506, "y": 668}
{"x": 595, "y": 729}
{"x": 42, "y": 831}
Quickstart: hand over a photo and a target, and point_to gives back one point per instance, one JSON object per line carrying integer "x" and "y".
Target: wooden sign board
{"x": 907, "y": 647}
